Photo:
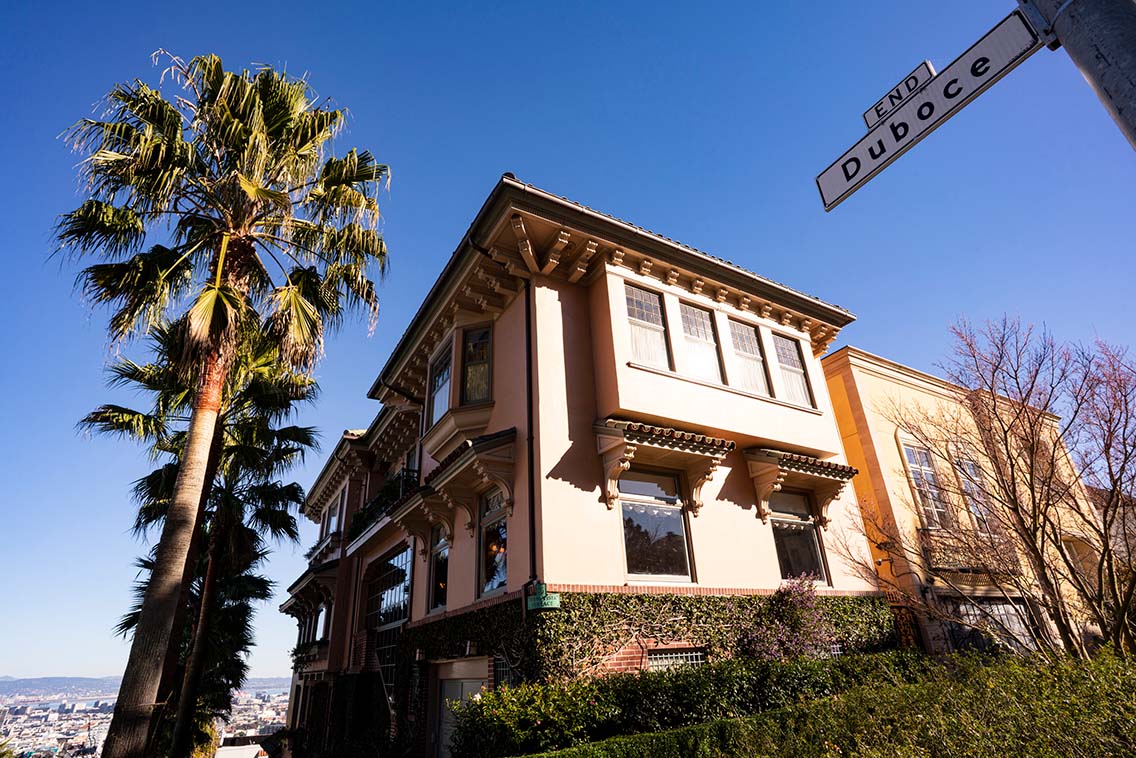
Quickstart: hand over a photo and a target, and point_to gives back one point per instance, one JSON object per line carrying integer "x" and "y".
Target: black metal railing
{"x": 393, "y": 491}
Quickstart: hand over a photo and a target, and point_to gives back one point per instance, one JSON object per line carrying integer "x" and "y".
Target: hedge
{"x": 534, "y": 717}
{"x": 1010, "y": 708}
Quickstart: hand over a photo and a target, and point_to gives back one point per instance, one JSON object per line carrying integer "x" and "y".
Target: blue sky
{"x": 705, "y": 122}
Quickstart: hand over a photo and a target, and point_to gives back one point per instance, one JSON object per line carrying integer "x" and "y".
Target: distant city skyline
{"x": 706, "y": 126}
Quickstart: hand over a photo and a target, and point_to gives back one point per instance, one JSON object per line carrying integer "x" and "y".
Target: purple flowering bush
{"x": 792, "y": 625}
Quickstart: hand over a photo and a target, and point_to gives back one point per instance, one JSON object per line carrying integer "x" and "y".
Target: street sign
{"x": 968, "y": 76}
{"x": 542, "y": 599}
{"x": 898, "y": 94}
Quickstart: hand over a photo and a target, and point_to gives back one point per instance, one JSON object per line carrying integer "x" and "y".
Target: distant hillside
{"x": 84, "y": 686}
{"x": 71, "y": 686}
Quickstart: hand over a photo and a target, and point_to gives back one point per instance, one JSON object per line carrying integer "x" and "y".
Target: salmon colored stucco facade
{"x": 579, "y": 405}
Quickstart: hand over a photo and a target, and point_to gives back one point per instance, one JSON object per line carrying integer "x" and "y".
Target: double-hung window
{"x": 648, "y": 329}
{"x": 748, "y": 359}
{"x": 971, "y": 484}
{"x": 932, "y": 503}
{"x": 654, "y": 526}
{"x": 493, "y": 569}
{"x": 701, "y": 344}
{"x": 795, "y": 536}
{"x": 475, "y": 366}
{"x": 793, "y": 376}
{"x": 439, "y": 567}
{"x": 440, "y": 386}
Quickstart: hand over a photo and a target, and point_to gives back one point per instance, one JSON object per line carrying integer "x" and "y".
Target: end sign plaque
{"x": 921, "y": 112}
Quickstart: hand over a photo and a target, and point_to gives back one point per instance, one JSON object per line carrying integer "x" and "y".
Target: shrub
{"x": 1008, "y": 708}
{"x": 792, "y": 624}
{"x": 534, "y": 717}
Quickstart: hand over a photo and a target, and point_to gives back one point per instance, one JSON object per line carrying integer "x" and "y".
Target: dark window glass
{"x": 494, "y": 543}
{"x": 795, "y": 536}
{"x": 646, "y": 484}
{"x": 388, "y": 591}
{"x": 439, "y": 568}
{"x": 475, "y": 366}
{"x": 655, "y": 539}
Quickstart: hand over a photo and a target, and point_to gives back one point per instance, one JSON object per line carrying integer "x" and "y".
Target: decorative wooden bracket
{"x": 767, "y": 479}
{"x": 524, "y": 245}
{"x": 617, "y": 454}
{"x": 580, "y": 267}
{"x": 555, "y": 251}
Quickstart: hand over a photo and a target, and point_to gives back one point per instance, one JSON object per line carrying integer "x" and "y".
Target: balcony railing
{"x": 307, "y": 655}
{"x": 985, "y": 555}
{"x": 393, "y": 492}
{"x": 324, "y": 547}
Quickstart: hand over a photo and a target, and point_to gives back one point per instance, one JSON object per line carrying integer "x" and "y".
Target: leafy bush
{"x": 792, "y": 624}
{"x": 1009, "y": 708}
{"x": 533, "y": 717}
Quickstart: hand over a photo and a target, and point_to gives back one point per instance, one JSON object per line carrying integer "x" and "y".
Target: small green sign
{"x": 542, "y": 599}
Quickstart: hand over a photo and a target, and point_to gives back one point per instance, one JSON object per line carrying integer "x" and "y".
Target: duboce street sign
{"x": 920, "y": 113}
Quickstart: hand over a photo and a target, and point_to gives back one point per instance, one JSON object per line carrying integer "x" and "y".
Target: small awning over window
{"x": 621, "y": 442}
{"x": 773, "y": 469}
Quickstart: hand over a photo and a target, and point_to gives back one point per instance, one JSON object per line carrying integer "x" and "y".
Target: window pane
{"x": 493, "y": 548}
{"x": 970, "y": 477}
{"x": 439, "y": 388}
{"x": 388, "y": 593}
{"x": 475, "y": 366}
{"x": 792, "y": 370}
{"x": 644, "y": 306}
{"x": 747, "y": 350}
{"x": 798, "y": 551}
{"x": 655, "y": 538}
{"x": 646, "y": 484}
{"x": 701, "y": 343}
{"x": 930, "y": 497}
{"x": 648, "y": 334}
{"x": 649, "y": 345}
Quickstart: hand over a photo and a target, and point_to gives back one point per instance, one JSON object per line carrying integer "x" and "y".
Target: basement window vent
{"x": 658, "y": 660}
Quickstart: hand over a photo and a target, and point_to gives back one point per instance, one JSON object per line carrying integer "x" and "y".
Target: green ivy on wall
{"x": 575, "y": 640}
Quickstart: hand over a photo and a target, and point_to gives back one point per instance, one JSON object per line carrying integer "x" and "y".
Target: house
{"x": 940, "y": 522}
{"x": 580, "y": 411}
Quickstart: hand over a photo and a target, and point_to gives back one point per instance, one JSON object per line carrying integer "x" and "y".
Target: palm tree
{"x": 251, "y": 449}
{"x": 257, "y": 228}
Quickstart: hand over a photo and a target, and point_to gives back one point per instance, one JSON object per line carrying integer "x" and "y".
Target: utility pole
{"x": 1100, "y": 37}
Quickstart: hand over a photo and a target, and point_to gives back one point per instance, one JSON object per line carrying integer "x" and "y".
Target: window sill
{"x": 724, "y": 387}
{"x": 491, "y": 593}
{"x": 647, "y": 580}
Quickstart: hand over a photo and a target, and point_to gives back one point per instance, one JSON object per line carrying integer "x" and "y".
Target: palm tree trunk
{"x": 130, "y": 725}
{"x": 170, "y": 680}
{"x": 182, "y": 744}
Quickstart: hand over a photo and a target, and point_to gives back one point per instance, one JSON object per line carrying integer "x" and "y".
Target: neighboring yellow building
{"x": 939, "y": 537}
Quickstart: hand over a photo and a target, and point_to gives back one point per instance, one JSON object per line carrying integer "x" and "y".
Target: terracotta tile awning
{"x": 773, "y": 469}
{"x": 620, "y": 442}
{"x": 662, "y": 436}
{"x": 806, "y": 464}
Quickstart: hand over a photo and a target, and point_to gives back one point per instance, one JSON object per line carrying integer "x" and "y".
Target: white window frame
{"x": 943, "y": 515}
{"x": 667, "y": 503}
{"x": 792, "y": 371}
{"x": 447, "y": 356}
